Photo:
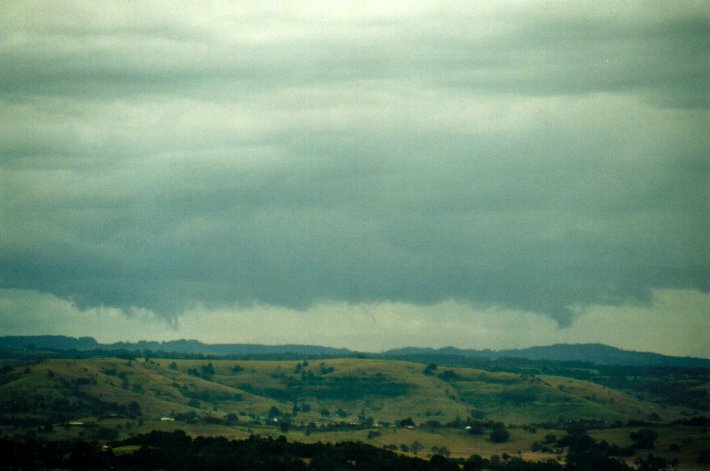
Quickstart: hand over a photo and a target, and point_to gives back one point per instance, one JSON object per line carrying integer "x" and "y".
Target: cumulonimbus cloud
{"x": 535, "y": 160}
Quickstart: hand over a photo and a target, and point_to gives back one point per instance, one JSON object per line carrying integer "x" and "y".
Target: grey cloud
{"x": 511, "y": 167}
{"x": 534, "y": 51}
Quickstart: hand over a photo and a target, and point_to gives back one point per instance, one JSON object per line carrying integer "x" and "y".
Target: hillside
{"x": 329, "y": 391}
{"x": 409, "y": 407}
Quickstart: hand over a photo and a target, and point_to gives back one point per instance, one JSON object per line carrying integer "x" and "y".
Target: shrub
{"x": 499, "y": 434}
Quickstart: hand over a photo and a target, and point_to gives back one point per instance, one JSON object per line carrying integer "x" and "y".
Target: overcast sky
{"x": 361, "y": 174}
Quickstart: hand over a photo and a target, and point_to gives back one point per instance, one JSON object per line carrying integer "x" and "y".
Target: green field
{"x": 410, "y": 407}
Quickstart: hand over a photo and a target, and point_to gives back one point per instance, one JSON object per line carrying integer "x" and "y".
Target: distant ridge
{"x": 199, "y": 348}
{"x": 191, "y": 347}
{"x": 591, "y": 353}
{"x": 59, "y": 342}
{"x": 587, "y": 352}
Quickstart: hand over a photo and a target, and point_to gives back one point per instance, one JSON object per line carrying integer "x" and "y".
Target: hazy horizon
{"x": 369, "y": 175}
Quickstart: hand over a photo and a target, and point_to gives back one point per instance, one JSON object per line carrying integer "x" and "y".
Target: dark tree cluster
{"x": 178, "y": 451}
{"x": 585, "y": 454}
{"x": 205, "y": 372}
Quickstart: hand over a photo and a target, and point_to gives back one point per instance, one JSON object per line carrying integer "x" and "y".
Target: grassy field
{"x": 329, "y": 401}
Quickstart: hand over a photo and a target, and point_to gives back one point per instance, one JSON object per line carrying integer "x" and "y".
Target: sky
{"x": 360, "y": 174}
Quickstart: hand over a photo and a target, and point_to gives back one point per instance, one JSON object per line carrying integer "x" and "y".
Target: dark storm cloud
{"x": 541, "y": 160}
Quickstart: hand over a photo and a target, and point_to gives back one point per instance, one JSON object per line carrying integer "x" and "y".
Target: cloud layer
{"x": 544, "y": 158}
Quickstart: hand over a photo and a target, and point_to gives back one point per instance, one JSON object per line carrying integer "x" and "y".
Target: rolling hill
{"x": 328, "y": 391}
{"x": 598, "y": 354}
{"x": 397, "y": 405}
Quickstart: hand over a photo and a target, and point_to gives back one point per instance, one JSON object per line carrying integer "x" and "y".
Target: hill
{"x": 588, "y": 353}
{"x": 598, "y": 354}
{"x": 397, "y": 405}
{"x": 339, "y": 390}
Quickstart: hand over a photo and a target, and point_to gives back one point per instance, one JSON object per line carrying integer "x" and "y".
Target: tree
{"x": 207, "y": 370}
{"x": 475, "y": 427}
{"x": 231, "y": 418}
{"x": 449, "y": 375}
{"x": 134, "y": 409}
{"x": 284, "y": 425}
{"x": 475, "y": 463}
{"x": 499, "y": 434}
{"x": 408, "y": 422}
{"x": 440, "y": 450}
{"x": 193, "y": 403}
{"x": 644, "y": 439}
{"x": 439, "y": 462}
{"x": 429, "y": 369}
